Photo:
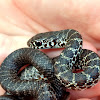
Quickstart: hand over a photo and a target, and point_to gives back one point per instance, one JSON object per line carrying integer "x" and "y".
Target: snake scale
{"x": 58, "y": 73}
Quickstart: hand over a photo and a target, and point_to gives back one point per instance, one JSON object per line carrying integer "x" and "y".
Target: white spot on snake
{"x": 87, "y": 76}
{"x": 73, "y": 80}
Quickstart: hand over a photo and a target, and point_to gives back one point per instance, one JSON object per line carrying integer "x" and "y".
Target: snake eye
{"x": 44, "y": 41}
{"x": 38, "y": 43}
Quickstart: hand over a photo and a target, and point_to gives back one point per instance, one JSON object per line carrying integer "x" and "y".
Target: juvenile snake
{"x": 59, "y": 69}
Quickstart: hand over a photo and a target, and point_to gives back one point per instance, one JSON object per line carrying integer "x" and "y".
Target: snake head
{"x": 42, "y": 41}
{"x": 48, "y": 40}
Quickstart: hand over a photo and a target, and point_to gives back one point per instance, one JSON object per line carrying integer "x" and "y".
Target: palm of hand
{"x": 21, "y": 20}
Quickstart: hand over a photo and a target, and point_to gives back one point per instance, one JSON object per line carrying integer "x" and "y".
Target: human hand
{"x": 21, "y": 20}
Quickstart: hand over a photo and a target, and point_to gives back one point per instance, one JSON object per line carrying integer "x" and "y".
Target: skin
{"x": 20, "y": 20}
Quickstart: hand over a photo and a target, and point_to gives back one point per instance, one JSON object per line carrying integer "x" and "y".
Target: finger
{"x": 89, "y": 46}
{"x": 10, "y": 43}
{"x": 88, "y": 93}
{"x": 13, "y": 20}
{"x": 57, "y": 15}
{"x": 84, "y": 99}
{"x": 24, "y": 21}
{"x": 16, "y": 21}
{"x": 2, "y": 91}
{"x": 61, "y": 13}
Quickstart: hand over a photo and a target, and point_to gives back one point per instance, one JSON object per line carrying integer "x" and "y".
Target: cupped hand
{"x": 20, "y": 20}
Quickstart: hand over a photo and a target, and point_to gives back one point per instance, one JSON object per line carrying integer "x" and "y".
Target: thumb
{"x": 10, "y": 43}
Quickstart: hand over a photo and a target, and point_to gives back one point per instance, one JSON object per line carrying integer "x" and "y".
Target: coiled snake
{"x": 59, "y": 71}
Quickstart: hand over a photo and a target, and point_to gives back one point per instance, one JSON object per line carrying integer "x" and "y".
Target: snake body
{"x": 72, "y": 57}
{"x": 19, "y": 87}
{"x": 58, "y": 71}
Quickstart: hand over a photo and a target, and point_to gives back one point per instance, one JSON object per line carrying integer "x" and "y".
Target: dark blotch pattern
{"x": 38, "y": 43}
{"x": 58, "y": 71}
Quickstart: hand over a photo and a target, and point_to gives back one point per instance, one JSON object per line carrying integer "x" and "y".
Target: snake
{"x": 59, "y": 70}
